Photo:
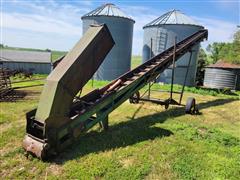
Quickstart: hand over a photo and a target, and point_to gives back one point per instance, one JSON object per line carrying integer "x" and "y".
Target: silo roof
{"x": 173, "y": 17}
{"x": 108, "y": 9}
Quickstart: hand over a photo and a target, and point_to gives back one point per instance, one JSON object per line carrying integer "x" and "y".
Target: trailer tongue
{"x": 59, "y": 120}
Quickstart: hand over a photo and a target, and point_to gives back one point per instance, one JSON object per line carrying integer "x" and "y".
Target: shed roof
{"x": 108, "y": 9}
{"x": 225, "y": 65}
{"x": 25, "y": 56}
{"x": 173, "y": 17}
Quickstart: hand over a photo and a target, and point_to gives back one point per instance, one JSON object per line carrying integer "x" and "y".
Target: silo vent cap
{"x": 108, "y": 9}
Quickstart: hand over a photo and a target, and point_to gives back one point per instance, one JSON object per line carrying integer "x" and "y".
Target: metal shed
{"x": 160, "y": 34}
{"x": 222, "y": 75}
{"x": 37, "y": 62}
{"x": 118, "y": 61}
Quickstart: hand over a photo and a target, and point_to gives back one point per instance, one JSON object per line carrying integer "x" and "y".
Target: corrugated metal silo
{"x": 222, "y": 75}
{"x": 160, "y": 34}
{"x": 118, "y": 61}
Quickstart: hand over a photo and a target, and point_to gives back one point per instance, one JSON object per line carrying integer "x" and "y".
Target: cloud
{"x": 23, "y": 38}
{"x": 142, "y": 15}
{"x": 38, "y": 24}
{"x": 56, "y": 20}
{"x": 41, "y": 19}
{"x": 227, "y": 5}
{"x": 138, "y": 32}
{"x": 218, "y": 30}
{"x": 61, "y": 11}
{"x": 85, "y": 3}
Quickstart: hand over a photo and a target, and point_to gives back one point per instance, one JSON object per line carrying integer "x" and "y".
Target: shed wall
{"x": 36, "y": 68}
{"x": 222, "y": 78}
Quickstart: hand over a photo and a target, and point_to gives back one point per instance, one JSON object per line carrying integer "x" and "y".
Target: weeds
{"x": 143, "y": 141}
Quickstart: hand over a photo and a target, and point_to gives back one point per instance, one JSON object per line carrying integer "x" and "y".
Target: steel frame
{"x": 94, "y": 107}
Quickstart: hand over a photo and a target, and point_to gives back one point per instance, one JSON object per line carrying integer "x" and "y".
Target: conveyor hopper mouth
{"x": 34, "y": 127}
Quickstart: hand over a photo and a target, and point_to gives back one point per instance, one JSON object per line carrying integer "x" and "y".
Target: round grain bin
{"x": 160, "y": 34}
{"x": 118, "y": 61}
{"x": 222, "y": 75}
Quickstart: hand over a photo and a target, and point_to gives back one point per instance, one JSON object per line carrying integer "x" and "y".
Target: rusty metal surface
{"x": 113, "y": 86}
{"x": 35, "y": 147}
{"x": 224, "y": 65}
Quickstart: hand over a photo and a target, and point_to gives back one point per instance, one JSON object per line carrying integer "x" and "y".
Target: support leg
{"x": 185, "y": 79}
{"x": 149, "y": 89}
{"x": 173, "y": 68}
{"x": 104, "y": 124}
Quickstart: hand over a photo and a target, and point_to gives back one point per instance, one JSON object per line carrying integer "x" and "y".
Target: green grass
{"x": 196, "y": 90}
{"x": 36, "y": 79}
{"x": 178, "y": 88}
{"x": 143, "y": 141}
{"x": 165, "y": 87}
{"x": 57, "y": 54}
{"x": 136, "y": 61}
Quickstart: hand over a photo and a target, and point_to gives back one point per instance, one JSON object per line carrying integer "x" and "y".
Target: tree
{"x": 236, "y": 36}
{"x": 214, "y": 49}
{"x": 229, "y": 52}
{"x": 236, "y": 47}
{"x": 202, "y": 62}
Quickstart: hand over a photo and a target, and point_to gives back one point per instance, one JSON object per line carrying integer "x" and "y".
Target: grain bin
{"x": 160, "y": 34}
{"x": 118, "y": 61}
{"x": 222, "y": 75}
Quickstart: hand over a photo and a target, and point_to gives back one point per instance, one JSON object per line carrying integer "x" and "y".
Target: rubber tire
{"x": 190, "y": 105}
{"x": 166, "y": 106}
{"x": 134, "y": 99}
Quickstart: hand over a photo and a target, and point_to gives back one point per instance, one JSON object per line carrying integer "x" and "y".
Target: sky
{"x": 56, "y": 24}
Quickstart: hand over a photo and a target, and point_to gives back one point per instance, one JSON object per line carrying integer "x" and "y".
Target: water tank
{"x": 160, "y": 34}
{"x": 118, "y": 61}
{"x": 222, "y": 75}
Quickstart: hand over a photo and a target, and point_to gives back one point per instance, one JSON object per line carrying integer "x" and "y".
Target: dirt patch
{"x": 13, "y": 96}
{"x": 32, "y": 94}
{"x": 54, "y": 169}
{"x": 18, "y": 95}
{"x": 127, "y": 162}
{"x": 202, "y": 131}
